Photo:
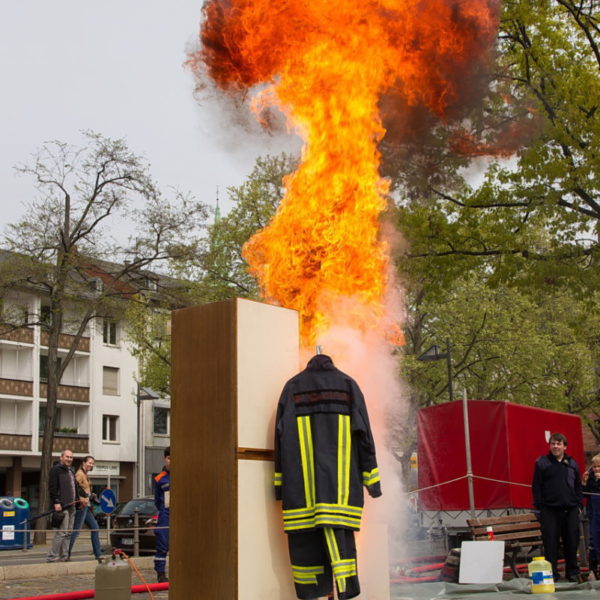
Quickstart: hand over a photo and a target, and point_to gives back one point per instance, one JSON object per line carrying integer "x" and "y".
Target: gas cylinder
{"x": 540, "y": 571}
{"x": 113, "y": 579}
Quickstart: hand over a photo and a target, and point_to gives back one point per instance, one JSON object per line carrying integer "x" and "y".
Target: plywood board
{"x": 267, "y": 356}
{"x": 264, "y": 566}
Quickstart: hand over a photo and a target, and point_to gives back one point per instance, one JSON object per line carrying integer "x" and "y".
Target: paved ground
{"x": 24, "y": 574}
{"x": 54, "y": 585}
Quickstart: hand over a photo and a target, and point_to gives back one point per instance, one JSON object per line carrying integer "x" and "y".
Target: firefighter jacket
{"x": 324, "y": 450}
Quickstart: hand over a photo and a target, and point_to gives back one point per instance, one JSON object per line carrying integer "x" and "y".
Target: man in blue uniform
{"x": 162, "y": 493}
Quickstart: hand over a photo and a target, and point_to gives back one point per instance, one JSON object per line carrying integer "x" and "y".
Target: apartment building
{"x": 97, "y": 401}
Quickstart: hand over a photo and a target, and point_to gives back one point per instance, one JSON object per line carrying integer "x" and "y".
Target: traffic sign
{"x": 108, "y": 501}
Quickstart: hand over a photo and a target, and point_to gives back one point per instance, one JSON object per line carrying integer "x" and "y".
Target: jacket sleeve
{"x": 361, "y": 430}
{"x": 277, "y": 475}
{"x": 578, "y": 486}
{"x": 536, "y": 485}
{"x": 80, "y": 482}
{"x": 53, "y": 486}
{"x": 159, "y": 499}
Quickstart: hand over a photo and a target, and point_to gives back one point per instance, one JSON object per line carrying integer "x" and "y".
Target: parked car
{"x": 123, "y": 519}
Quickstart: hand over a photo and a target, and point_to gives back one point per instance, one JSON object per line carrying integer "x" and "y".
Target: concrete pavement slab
{"x": 12, "y": 590}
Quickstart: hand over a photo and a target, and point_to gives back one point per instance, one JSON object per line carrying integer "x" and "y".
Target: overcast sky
{"x": 115, "y": 67}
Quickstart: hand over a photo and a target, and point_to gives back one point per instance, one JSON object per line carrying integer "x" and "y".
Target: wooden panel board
{"x": 203, "y": 553}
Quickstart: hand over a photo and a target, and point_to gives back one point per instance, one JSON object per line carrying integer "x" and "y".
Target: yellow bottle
{"x": 540, "y": 571}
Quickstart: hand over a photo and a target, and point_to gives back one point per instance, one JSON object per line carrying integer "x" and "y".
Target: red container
{"x": 506, "y": 440}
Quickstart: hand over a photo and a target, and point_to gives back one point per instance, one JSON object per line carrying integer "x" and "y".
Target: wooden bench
{"x": 520, "y": 533}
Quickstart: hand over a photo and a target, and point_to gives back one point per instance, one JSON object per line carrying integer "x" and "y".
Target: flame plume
{"x": 325, "y": 64}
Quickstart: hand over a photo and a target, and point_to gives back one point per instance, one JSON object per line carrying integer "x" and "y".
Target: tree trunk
{"x": 56, "y": 319}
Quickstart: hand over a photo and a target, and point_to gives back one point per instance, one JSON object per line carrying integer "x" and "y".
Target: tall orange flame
{"x": 325, "y": 65}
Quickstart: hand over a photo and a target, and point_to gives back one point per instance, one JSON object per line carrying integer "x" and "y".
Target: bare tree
{"x": 66, "y": 246}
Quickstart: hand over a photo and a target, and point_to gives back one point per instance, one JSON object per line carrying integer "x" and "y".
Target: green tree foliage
{"x": 148, "y": 331}
{"x": 217, "y": 271}
{"x": 508, "y": 345}
{"x": 503, "y": 255}
{"x": 223, "y": 270}
{"x": 534, "y": 219}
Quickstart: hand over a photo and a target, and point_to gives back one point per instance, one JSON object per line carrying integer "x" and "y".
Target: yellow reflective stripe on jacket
{"x": 307, "y": 457}
{"x": 277, "y": 478}
{"x": 371, "y": 477}
{"x": 343, "y": 458}
{"x": 355, "y": 511}
{"x": 307, "y": 575}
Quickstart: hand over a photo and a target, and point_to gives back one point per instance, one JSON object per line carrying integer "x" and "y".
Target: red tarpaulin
{"x": 506, "y": 439}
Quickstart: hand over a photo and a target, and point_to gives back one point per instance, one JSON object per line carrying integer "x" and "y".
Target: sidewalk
{"x": 26, "y": 573}
{"x": 10, "y": 590}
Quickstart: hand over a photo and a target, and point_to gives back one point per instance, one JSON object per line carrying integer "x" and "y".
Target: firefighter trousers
{"x": 318, "y": 557}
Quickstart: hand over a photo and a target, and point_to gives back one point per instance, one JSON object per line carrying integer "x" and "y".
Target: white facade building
{"x": 97, "y": 410}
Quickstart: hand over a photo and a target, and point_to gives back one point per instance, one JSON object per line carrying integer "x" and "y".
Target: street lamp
{"x": 433, "y": 353}
{"x": 141, "y": 395}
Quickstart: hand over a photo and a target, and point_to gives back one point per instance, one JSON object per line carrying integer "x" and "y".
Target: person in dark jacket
{"x": 64, "y": 492}
{"x": 162, "y": 494}
{"x": 591, "y": 489}
{"x": 557, "y": 494}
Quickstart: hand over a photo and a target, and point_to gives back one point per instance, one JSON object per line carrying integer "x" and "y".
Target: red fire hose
{"x": 135, "y": 589}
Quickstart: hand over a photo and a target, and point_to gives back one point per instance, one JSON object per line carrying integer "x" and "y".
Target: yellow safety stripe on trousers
{"x": 307, "y": 575}
{"x": 307, "y": 457}
{"x": 334, "y": 556}
{"x": 343, "y": 458}
{"x": 371, "y": 477}
{"x": 344, "y": 568}
{"x": 277, "y": 478}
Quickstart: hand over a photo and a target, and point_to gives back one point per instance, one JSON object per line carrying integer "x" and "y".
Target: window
{"x": 110, "y": 428}
{"x": 42, "y": 418}
{"x": 45, "y": 315}
{"x": 44, "y": 367}
{"x": 96, "y": 284}
{"x": 110, "y": 381}
{"x": 162, "y": 419}
{"x": 109, "y": 332}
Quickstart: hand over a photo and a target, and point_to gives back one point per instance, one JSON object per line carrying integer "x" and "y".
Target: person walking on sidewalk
{"x": 162, "y": 493}
{"x": 84, "y": 514}
{"x": 557, "y": 494}
{"x": 63, "y": 495}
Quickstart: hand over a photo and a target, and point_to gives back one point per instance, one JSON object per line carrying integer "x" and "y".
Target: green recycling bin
{"x": 14, "y": 523}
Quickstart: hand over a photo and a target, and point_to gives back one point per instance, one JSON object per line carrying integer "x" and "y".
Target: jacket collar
{"x": 320, "y": 362}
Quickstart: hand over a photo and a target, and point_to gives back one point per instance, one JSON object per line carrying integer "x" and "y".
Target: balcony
{"x": 77, "y": 442}
{"x": 74, "y": 393}
{"x": 15, "y": 441}
{"x": 16, "y": 387}
{"x": 65, "y": 340}
{"x": 23, "y": 335}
